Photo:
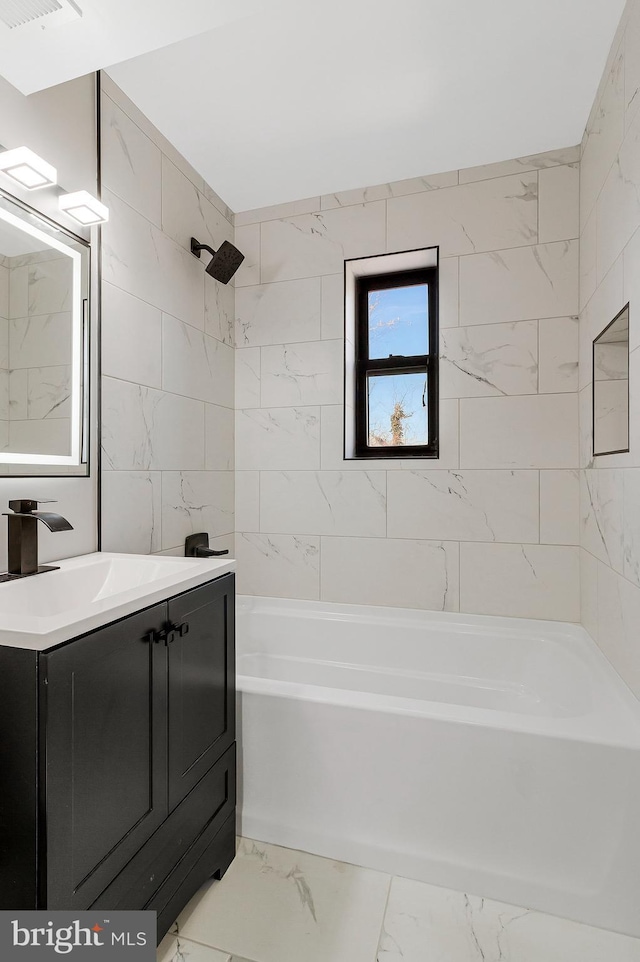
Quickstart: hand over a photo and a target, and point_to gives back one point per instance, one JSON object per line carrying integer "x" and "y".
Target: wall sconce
{"x": 27, "y": 169}
{"x": 83, "y": 207}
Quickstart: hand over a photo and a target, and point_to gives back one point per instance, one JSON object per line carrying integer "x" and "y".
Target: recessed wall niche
{"x": 611, "y": 387}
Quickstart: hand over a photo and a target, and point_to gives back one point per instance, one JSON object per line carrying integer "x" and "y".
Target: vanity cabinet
{"x": 118, "y": 758}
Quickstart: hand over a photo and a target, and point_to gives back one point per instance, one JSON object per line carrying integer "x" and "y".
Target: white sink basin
{"x": 92, "y": 590}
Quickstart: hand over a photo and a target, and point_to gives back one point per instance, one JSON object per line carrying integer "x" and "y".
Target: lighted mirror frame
{"x": 77, "y": 337}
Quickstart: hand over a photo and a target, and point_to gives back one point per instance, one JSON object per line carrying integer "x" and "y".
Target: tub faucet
{"x": 23, "y": 536}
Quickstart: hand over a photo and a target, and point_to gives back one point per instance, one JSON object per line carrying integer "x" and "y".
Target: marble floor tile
{"x": 279, "y": 905}
{"x": 176, "y": 949}
{"x": 428, "y": 924}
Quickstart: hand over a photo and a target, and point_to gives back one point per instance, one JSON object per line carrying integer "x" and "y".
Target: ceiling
{"x": 275, "y": 100}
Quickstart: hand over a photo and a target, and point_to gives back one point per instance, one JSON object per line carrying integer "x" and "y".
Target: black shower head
{"x": 224, "y": 262}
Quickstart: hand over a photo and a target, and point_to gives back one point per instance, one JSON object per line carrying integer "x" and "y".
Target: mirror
{"x": 611, "y": 387}
{"x": 44, "y": 283}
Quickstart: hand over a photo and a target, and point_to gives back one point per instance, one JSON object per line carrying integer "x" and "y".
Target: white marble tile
{"x": 217, "y": 202}
{"x": 424, "y": 923}
{"x": 559, "y": 350}
{"x": 52, "y": 436}
{"x": 276, "y": 211}
{"x": 588, "y": 271}
{"x": 589, "y": 592}
{"x": 519, "y": 432}
{"x": 278, "y": 565}
{"x": 131, "y": 511}
{"x": 177, "y": 949}
{"x": 601, "y": 515}
{"x": 463, "y": 505}
{"x": 186, "y": 213}
{"x": 314, "y": 244}
{"x": 332, "y": 314}
{"x": 559, "y": 203}
{"x": 605, "y": 303}
{"x": 296, "y": 900}
{"x": 49, "y": 392}
{"x": 247, "y": 240}
{"x": 4, "y": 395}
{"x": 4, "y": 291}
{"x": 398, "y": 188}
{"x": 631, "y": 524}
{"x": 306, "y": 373}
{"x": 279, "y": 313}
{"x": 196, "y": 501}
{"x": 585, "y": 401}
{"x": 19, "y": 292}
{"x": 278, "y": 438}
{"x": 559, "y": 507}
{"x": 18, "y": 392}
{"x": 631, "y": 286}
{"x": 618, "y": 205}
{"x": 219, "y": 438}
{"x": 131, "y": 338}
{"x": 388, "y": 571}
{"x": 145, "y": 429}
{"x": 603, "y": 140}
{"x": 50, "y": 286}
{"x": 40, "y": 341}
{"x": 142, "y": 260}
{"x": 631, "y": 53}
{"x": 519, "y": 284}
{"x": 247, "y": 500}
{"x": 520, "y": 581}
{"x": 196, "y": 365}
{"x": 483, "y": 216}
{"x": 131, "y": 162}
{"x": 617, "y": 626}
{"x": 448, "y": 292}
{"x": 219, "y": 310}
{"x": 489, "y": 360}
{"x": 247, "y": 377}
{"x": 324, "y": 502}
{"x": 551, "y": 158}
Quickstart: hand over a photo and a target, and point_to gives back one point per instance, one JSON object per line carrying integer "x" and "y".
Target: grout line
{"x": 384, "y": 916}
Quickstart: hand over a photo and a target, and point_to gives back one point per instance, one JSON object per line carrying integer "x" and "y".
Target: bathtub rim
{"x": 614, "y": 724}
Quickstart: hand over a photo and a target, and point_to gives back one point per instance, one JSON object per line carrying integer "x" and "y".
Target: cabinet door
{"x": 103, "y": 703}
{"x": 201, "y": 683}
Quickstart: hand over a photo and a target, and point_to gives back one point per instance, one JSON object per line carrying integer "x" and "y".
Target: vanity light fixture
{"x": 29, "y": 170}
{"x": 84, "y": 207}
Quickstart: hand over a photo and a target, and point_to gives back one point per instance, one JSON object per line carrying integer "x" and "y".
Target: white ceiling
{"x": 108, "y": 31}
{"x": 283, "y": 99}
{"x": 311, "y": 98}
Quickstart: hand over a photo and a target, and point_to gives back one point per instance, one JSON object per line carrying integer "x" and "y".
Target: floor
{"x": 279, "y": 905}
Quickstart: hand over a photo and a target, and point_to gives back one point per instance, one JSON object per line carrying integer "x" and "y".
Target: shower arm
{"x": 196, "y": 248}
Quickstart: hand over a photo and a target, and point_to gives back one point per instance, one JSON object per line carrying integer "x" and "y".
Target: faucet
{"x": 23, "y": 536}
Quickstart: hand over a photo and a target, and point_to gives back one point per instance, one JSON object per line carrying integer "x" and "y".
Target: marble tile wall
{"x": 493, "y": 525}
{"x": 167, "y": 346}
{"x": 609, "y": 278}
{"x": 35, "y": 371}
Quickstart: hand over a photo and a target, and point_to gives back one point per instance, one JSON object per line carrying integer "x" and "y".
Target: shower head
{"x": 224, "y": 262}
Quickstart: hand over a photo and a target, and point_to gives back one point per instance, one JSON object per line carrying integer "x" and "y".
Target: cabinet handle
{"x": 168, "y": 634}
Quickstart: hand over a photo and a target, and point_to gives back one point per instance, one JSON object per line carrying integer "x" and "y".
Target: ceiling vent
{"x": 28, "y": 15}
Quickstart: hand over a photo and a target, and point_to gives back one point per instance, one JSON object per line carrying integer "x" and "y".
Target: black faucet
{"x": 197, "y": 546}
{"x": 23, "y": 536}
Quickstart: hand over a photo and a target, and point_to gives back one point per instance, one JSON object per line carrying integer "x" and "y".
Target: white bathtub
{"x": 490, "y": 755}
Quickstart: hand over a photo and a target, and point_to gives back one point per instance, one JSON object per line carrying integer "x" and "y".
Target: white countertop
{"x": 43, "y": 610}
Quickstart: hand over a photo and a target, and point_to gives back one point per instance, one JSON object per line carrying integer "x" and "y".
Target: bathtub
{"x": 495, "y": 756}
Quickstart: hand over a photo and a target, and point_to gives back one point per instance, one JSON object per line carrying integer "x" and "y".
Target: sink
{"x": 92, "y": 590}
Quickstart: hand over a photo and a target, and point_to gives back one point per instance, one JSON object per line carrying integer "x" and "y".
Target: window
{"x": 395, "y": 363}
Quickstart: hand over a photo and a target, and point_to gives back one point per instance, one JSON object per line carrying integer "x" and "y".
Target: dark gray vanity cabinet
{"x": 117, "y": 755}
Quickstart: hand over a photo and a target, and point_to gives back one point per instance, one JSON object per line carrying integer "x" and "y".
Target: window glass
{"x": 397, "y": 409}
{"x": 398, "y": 321}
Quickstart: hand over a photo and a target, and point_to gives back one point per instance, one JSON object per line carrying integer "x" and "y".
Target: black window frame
{"x": 396, "y": 364}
